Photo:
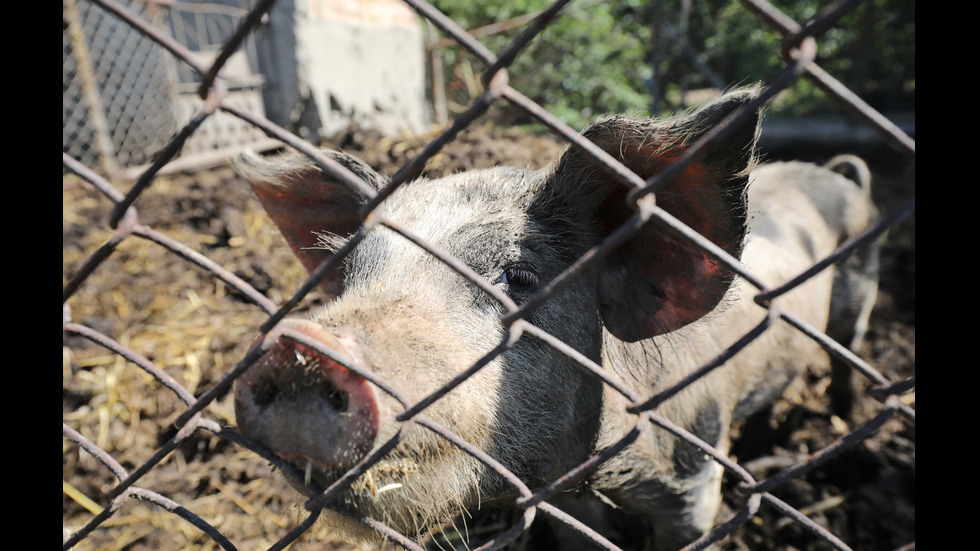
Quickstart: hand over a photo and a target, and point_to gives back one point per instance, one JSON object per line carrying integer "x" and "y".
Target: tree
{"x": 646, "y": 56}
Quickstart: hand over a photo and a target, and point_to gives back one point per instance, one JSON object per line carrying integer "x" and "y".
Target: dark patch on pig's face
{"x": 495, "y": 250}
{"x": 688, "y": 460}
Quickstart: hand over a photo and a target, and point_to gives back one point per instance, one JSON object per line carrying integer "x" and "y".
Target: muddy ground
{"x": 196, "y": 328}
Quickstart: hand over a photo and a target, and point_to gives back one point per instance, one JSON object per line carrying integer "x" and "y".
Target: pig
{"x": 649, "y": 313}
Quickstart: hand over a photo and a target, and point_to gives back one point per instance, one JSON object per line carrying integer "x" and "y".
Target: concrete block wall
{"x": 328, "y": 63}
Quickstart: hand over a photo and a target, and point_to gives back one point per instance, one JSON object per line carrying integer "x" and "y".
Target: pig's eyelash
{"x": 519, "y": 276}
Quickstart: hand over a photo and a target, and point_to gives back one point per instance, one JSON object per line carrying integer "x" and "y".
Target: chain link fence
{"x": 200, "y": 407}
{"x": 123, "y": 95}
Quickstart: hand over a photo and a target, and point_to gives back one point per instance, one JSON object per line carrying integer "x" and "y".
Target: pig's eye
{"x": 519, "y": 277}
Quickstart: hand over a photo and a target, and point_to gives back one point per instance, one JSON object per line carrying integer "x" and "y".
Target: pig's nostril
{"x": 265, "y": 392}
{"x": 291, "y": 385}
{"x": 337, "y": 398}
{"x": 269, "y": 390}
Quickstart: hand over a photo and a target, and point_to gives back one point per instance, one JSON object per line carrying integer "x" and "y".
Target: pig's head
{"x": 414, "y": 322}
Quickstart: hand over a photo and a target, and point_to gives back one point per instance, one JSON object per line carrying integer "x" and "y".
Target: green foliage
{"x": 589, "y": 61}
{"x": 645, "y": 56}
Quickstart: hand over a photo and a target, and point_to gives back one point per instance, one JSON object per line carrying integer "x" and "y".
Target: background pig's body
{"x": 798, "y": 214}
{"x": 416, "y": 323}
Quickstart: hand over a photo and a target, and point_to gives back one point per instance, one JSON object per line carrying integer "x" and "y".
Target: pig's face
{"x": 409, "y": 319}
{"x": 416, "y": 323}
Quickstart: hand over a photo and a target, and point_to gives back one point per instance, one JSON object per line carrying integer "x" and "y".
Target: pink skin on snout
{"x": 304, "y": 406}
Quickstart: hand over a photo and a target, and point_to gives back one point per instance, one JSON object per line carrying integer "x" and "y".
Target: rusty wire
{"x": 799, "y": 49}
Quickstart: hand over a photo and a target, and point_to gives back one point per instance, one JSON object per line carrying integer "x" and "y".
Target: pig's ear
{"x": 655, "y": 282}
{"x": 306, "y": 204}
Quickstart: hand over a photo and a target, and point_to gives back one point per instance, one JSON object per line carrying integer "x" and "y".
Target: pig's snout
{"x": 304, "y": 406}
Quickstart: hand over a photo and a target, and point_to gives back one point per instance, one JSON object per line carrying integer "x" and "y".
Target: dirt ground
{"x": 196, "y": 328}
